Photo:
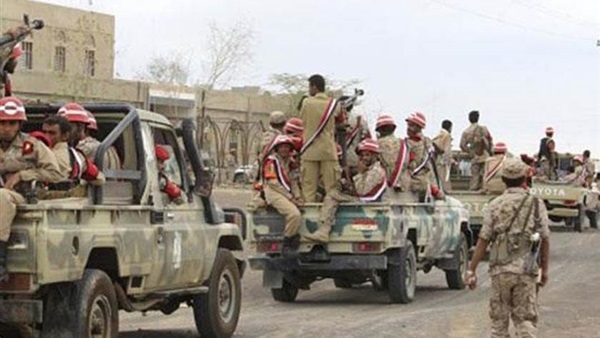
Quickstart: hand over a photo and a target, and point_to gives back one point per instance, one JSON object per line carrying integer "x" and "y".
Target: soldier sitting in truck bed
{"x": 370, "y": 184}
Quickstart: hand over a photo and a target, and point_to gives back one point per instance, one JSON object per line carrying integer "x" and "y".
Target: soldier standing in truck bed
{"x": 476, "y": 140}
{"x": 443, "y": 150}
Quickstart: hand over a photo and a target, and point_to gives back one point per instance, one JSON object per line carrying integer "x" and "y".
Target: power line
{"x": 558, "y": 14}
{"x": 505, "y": 22}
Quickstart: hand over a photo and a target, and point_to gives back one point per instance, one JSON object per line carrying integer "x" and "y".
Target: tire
{"x": 402, "y": 275}
{"x": 454, "y": 278}
{"x": 286, "y": 294}
{"x": 217, "y": 312}
{"x": 87, "y": 308}
{"x": 342, "y": 283}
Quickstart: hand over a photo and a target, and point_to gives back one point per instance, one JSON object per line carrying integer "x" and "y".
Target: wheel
{"x": 454, "y": 278}
{"x": 217, "y": 312}
{"x": 86, "y": 308}
{"x": 342, "y": 283}
{"x": 593, "y": 218}
{"x": 287, "y": 293}
{"x": 402, "y": 275}
{"x": 239, "y": 178}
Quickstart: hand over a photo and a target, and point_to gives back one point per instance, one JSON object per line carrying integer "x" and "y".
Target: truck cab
{"x": 74, "y": 262}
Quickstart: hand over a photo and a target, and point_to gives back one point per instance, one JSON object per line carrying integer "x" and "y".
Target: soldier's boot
{"x": 290, "y": 246}
{"x": 3, "y": 271}
{"x": 321, "y": 235}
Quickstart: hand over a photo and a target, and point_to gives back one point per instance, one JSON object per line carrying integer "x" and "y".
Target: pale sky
{"x": 524, "y": 64}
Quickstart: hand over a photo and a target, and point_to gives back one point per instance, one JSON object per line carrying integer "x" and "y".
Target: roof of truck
{"x": 149, "y": 116}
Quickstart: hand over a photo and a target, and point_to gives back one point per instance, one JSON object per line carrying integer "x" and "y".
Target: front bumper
{"x": 21, "y": 311}
{"x": 337, "y": 263}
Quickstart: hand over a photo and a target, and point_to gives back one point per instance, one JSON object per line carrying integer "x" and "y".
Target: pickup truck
{"x": 565, "y": 202}
{"x": 75, "y": 262}
{"x": 382, "y": 243}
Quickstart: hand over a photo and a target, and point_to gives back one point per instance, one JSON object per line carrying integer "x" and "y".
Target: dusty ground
{"x": 569, "y": 305}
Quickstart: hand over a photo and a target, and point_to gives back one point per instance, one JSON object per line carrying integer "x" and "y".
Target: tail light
{"x": 367, "y": 247}
{"x": 17, "y": 282}
{"x": 570, "y": 202}
{"x": 269, "y": 247}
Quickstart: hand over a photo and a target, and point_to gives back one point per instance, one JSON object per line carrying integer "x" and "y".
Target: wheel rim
{"x": 99, "y": 317}
{"x": 226, "y": 296}
{"x": 410, "y": 277}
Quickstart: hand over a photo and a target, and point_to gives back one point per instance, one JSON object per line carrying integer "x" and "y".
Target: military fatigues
{"x": 476, "y": 140}
{"x": 358, "y": 130}
{"x": 421, "y": 179}
{"x": 547, "y": 158}
{"x": 267, "y": 137}
{"x": 45, "y": 169}
{"x": 443, "y": 160}
{"x": 590, "y": 171}
{"x": 514, "y": 290}
{"x": 280, "y": 191}
{"x": 389, "y": 147}
{"x": 89, "y": 145}
{"x": 492, "y": 179}
{"x": 577, "y": 177}
{"x": 319, "y": 159}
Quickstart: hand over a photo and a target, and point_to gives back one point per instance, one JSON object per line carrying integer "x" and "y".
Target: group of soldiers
{"x": 54, "y": 162}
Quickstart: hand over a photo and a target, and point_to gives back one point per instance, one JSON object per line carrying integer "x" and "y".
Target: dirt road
{"x": 569, "y": 305}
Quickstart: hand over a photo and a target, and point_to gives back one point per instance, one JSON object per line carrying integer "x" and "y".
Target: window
{"x": 59, "y": 59}
{"x": 28, "y": 54}
{"x": 90, "y": 63}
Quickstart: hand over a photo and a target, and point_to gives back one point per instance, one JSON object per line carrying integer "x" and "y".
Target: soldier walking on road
{"x": 319, "y": 156}
{"x": 443, "y": 149}
{"x": 476, "y": 140}
{"x": 516, "y": 226}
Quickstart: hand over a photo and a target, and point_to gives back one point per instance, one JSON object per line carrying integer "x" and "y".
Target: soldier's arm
{"x": 463, "y": 142}
{"x": 46, "y": 169}
{"x": 14, "y": 165}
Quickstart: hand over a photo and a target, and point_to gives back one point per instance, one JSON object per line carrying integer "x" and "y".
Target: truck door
{"x": 179, "y": 222}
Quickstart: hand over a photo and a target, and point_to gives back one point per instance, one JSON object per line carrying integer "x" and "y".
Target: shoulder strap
{"x": 514, "y": 218}
{"x": 322, "y": 123}
{"x": 531, "y": 206}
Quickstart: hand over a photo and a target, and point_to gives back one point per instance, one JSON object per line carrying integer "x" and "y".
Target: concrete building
{"x": 72, "y": 59}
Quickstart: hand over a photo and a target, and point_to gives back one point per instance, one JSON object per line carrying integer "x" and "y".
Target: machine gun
{"x": 340, "y": 134}
{"x": 8, "y": 41}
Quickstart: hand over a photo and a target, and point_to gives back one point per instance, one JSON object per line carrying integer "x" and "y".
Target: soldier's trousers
{"x": 330, "y": 205}
{"x": 476, "y": 176}
{"x": 8, "y": 210}
{"x": 548, "y": 170}
{"x": 287, "y": 209}
{"x": 443, "y": 170}
{"x": 313, "y": 172}
{"x": 514, "y": 297}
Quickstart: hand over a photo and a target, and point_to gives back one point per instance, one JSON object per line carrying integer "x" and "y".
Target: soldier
{"x": 476, "y": 140}
{"x": 231, "y": 164}
{"x": 443, "y": 150}
{"x": 15, "y": 145}
{"x": 276, "y": 124}
{"x": 589, "y": 167}
{"x": 358, "y": 130}
{"x": 73, "y": 166}
{"x": 419, "y": 158}
{"x": 547, "y": 155}
{"x": 578, "y": 176}
{"x": 492, "y": 180}
{"x": 319, "y": 158}
{"x": 370, "y": 184}
{"x": 282, "y": 193}
{"x": 172, "y": 193}
{"x": 513, "y": 224}
{"x": 394, "y": 158}
{"x": 82, "y": 123}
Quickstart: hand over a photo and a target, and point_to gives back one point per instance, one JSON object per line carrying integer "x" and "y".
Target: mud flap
{"x": 272, "y": 279}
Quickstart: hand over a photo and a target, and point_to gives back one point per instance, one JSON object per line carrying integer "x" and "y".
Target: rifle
{"x": 340, "y": 135}
{"x": 10, "y": 39}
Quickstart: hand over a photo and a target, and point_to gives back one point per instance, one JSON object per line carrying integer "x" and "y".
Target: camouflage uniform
{"x": 492, "y": 183}
{"x": 358, "y": 130}
{"x": 514, "y": 290}
{"x": 319, "y": 159}
{"x": 443, "y": 160}
{"x": 281, "y": 197}
{"x": 547, "y": 158}
{"x": 419, "y": 146}
{"x": 89, "y": 145}
{"x": 63, "y": 159}
{"x": 45, "y": 169}
{"x": 590, "y": 171}
{"x": 476, "y": 140}
{"x": 390, "y": 149}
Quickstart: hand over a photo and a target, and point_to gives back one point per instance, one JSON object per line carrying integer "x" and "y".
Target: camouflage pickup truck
{"x": 565, "y": 202}
{"x": 75, "y": 262}
{"x": 382, "y": 243}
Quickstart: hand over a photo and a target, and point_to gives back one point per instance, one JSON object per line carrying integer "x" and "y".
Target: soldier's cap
{"x": 277, "y": 117}
{"x": 514, "y": 168}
